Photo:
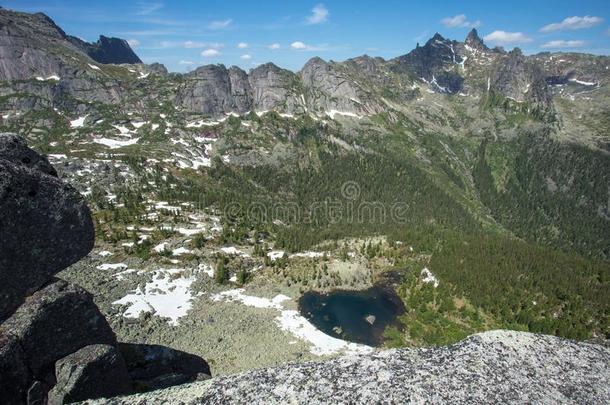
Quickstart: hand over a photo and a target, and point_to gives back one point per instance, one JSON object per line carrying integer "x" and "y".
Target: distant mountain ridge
{"x": 360, "y": 86}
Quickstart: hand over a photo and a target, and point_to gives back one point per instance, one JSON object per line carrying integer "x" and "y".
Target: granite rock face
{"x": 22, "y": 56}
{"x": 274, "y": 88}
{"x": 207, "y": 90}
{"x": 95, "y": 371}
{"x": 517, "y": 78}
{"x": 327, "y": 88}
{"x": 215, "y": 90}
{"x": 54, "y": 66}
{"x": 48, "y": 229}
{"x": 491, "y": 367}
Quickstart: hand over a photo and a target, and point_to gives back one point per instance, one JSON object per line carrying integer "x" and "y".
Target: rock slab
{"x": 491, "y": 367}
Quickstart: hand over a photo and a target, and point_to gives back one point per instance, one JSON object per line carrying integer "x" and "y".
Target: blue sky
{"x": 189, "y": 33}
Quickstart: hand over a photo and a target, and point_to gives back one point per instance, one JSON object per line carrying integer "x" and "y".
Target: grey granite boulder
{"x": 95, "y": 371}
{"x": 14, "y": 373}
{"x": 54, "y": 322}
{"x": 490, "y": 367}
{"x": 45, "y": 225}
{"x": 14, "y": 149}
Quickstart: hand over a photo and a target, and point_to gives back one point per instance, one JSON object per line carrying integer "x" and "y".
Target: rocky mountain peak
{"x": 474, "y": 41}
{"x": 108, "y": 50}
{"x": 436, "y": 37}
{"x": 266, "y": 67}
{"x": 315, "y": 61}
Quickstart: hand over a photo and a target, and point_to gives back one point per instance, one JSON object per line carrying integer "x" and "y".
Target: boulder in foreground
{"x": 95, "y": 371}
{"x": 45, "y": 224}
{"x": 54, "y": 322}
{"x": 491, "y": 367}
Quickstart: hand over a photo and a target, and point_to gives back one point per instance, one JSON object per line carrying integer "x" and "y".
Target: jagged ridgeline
{"x": 499, "y": 161}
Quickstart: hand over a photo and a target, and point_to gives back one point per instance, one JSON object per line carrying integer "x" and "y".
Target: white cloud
{"x": 573, "y": 23}
{"x": 459, "y": 21}
{"x": 298, "y": 45}
{"x": 274, "y": 46}
{"x": 194, "y": 44}
{"x": 186, "y": 62}
{"x": 242, "y": 45}
{"x": 563, "y": 44}
{"x": 219, "y": 25}
{"x": 246, "y": 57}
{"x": 208, "y": 53}
{"x": 319, "y": 15}
{"x": 503, "y": 38}
{"x": 147, "y": 7}
{"x": 134, "y": 43}
{"x": 301, "y": 46}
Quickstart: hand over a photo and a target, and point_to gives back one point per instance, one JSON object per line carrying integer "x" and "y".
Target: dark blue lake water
{"x": 357, "y": 316}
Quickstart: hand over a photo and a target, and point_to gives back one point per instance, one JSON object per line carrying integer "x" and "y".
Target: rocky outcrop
{"x": 45, "y": 226}
{"x": 215, "y": 90}
{"x": 431, "y": 64}
{"x": 101, "y": 364}
{"x": 496, "y": 366}
{"x": 474, "y": 41}
{"x": 241, "y": 91}
{"x": 55, "y": 66}
{"x": 108, "y": 50}
{"x": 517, "y": 78}
{"x": 24, "y": 46}
{"x": 327, "y": 88}
{"x": 275, "y": 88}
{"x": 208, "y": 90}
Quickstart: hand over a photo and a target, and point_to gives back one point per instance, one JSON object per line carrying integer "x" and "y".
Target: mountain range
{"x": 505, "y": 153}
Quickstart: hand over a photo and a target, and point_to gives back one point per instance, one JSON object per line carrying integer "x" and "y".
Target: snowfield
{"x": 322, "y": 344}
{"x": 428, "y": 277}
{"x": 249, "y": 300}
{"x": 292, "y": 322}
{"x": 114, "y": 144}
{"x": 77, "y": 123}
{"x": 168, "y": 295}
